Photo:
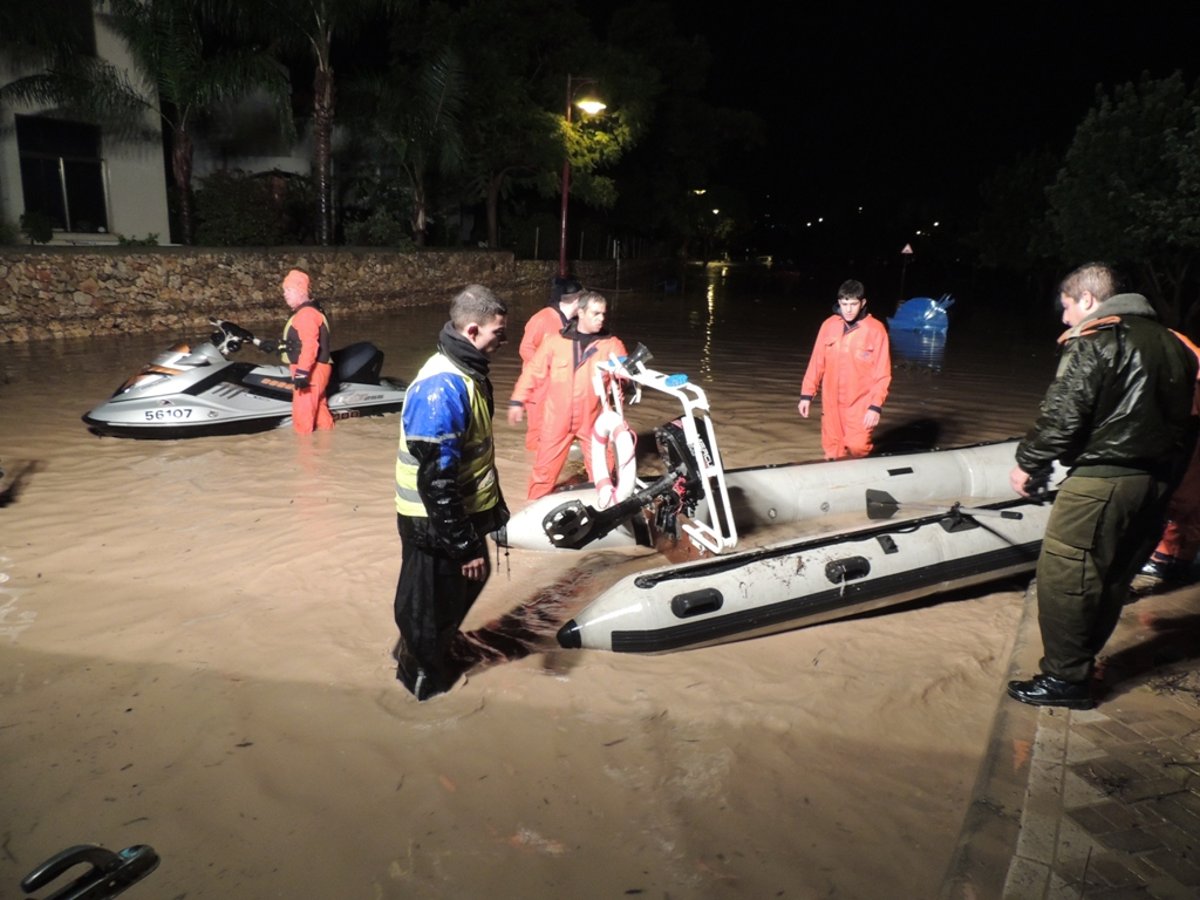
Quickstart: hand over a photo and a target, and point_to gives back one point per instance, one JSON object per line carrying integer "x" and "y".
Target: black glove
{"x": 301, "y": 379}
{"x": 1038, "y": 483}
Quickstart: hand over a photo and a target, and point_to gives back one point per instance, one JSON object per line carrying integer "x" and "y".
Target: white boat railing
{"x": 718, "y": 533}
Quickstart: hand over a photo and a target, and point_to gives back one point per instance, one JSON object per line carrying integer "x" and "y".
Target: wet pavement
{"x": 1101, "y": 803}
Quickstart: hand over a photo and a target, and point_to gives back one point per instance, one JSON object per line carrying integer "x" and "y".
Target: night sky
{"x": 871, "y": 103}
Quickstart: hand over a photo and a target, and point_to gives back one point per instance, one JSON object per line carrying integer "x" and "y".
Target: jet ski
{"x": 194, "y": 390}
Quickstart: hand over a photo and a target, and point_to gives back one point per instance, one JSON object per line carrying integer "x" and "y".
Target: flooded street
{"x": 195, "y": 642}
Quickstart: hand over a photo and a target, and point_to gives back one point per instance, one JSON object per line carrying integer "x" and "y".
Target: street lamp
{"x": 590, "y": 106}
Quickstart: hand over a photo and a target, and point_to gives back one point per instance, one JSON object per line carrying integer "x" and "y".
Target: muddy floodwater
{"x": 195, "y": 639}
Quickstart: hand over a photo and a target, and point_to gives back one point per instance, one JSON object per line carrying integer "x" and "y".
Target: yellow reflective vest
{"x": 439, "y": 390}
{"x": 305, "y": 338}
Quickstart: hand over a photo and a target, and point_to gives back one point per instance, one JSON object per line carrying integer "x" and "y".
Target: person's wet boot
{"x": 1046, "y": 690}
{"x": 420, "y": 681}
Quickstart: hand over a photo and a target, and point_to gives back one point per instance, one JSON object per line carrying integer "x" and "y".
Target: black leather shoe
{"x": 1160, "y": 575}
{"x": 1046, "y": 690}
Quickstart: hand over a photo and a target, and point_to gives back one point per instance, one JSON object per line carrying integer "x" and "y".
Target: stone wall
{"x": 50, "y": 292}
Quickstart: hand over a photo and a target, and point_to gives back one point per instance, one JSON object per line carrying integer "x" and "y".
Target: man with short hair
{"x": 1119, "y": 415}
{"x": 561, "y": 373}
{"x": 305, "y": 348}
{"x": 549, "y": 320}
{"x": 447, "y": 491}
{"x": 851, "y": 366}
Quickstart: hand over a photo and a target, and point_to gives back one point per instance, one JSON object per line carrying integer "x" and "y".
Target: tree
{"x": 39, "y": 35}
{"x": 314, "y": 25}
{"x": 518, "y": 55}
{"x": 418, "y": 129}
{"x": 513, "y": 51}
{"x": 687, "y": 138}
{"x": 1012, "y": 230}
{"x": 1129, "y": 187}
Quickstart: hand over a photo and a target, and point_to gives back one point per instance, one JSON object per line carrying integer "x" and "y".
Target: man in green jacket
{"x": 1119, "y": 415}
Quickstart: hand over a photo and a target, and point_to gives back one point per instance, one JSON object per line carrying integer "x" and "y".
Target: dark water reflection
{"x": 921, "y": 348}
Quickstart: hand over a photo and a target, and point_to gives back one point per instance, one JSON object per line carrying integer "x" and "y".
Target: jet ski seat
{"x": 360, "y": 362}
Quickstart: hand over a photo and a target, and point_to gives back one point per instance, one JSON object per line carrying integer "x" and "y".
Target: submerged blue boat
{"x": 922, "y": 314}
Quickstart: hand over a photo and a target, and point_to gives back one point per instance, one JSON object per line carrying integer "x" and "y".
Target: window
{"x": 62, "y": 174}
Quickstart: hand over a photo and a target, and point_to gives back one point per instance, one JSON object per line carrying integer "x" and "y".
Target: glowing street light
{"x": 592, "y": 107}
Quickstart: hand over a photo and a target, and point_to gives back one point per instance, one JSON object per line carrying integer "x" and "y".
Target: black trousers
{"x": 432, "y": 599}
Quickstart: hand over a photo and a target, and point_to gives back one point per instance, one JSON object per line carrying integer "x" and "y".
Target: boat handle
{"x": 850, "y": 568}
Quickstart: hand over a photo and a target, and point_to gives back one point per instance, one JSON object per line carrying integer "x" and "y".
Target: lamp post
{"x": 592, "y": 107}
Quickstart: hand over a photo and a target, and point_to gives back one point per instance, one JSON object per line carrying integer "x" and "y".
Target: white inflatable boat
{"x": 803, "y": 582}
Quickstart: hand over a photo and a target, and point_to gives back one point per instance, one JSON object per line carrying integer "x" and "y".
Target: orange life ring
{"x": 612, "y": 488}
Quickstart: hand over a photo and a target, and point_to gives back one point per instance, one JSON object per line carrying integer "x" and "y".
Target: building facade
{"x": 93, "y": 186}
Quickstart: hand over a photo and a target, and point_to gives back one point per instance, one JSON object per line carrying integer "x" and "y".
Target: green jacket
{"x": 1122, "y": 399}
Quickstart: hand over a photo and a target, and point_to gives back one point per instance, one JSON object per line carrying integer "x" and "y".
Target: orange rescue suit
{"x": 1181, "y": 537}
{"x": 851, "y": 365}
{"x": 306, "y": 351}
{"x": 560, "y": 372}
{"x": 546, "y": 322}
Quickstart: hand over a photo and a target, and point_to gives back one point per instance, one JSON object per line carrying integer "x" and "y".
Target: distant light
{"x": 716, "y": 212}
{"x": 591, "y": 106}
{"x": 699, "y": 192}
{"x": 936, "y": 224}
{"x": 860, "y": 209}
{"x": 821, "y": 219}
{"x": 808, "y": 225}
{"x": 918, "y": 231}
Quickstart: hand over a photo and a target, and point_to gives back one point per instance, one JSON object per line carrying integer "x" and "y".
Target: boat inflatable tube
{"x": 612, "y": 488}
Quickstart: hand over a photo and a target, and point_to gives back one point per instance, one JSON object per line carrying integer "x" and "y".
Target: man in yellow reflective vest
{"x": 305, "y": 349}
{"x": 447, "y": 491}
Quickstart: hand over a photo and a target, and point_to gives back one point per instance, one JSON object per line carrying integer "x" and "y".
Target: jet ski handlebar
{"x": 230, "y": 336}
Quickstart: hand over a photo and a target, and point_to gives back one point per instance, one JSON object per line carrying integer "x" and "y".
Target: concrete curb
{"x": 991, "y": 828}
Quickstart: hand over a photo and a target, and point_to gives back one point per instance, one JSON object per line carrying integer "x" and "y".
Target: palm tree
{"x": 313, "y": 24}
{"x": 421, "y": 129}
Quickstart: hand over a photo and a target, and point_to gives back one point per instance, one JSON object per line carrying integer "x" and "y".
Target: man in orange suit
{"x": 305, "y": 348}
{"x": 851, "y": 366}
{"x": 561, "y": 374}
{"x": 547, "y": 321}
